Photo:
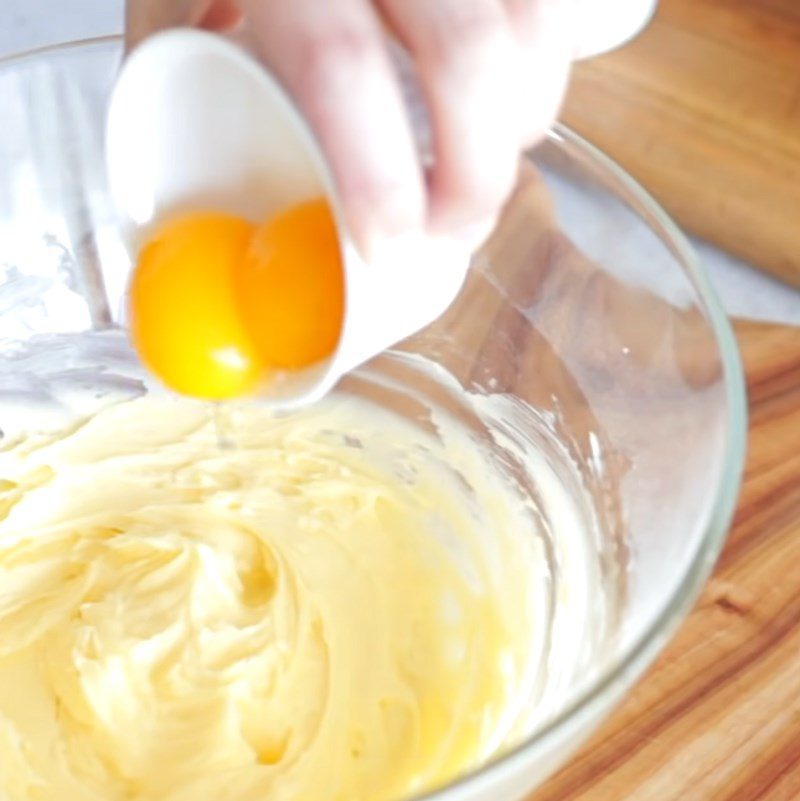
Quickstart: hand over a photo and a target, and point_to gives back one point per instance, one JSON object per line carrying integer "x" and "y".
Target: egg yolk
{"x": 185, "y": 320}
{"x": 217, "y": 303}
{"x": 291, "y": 287}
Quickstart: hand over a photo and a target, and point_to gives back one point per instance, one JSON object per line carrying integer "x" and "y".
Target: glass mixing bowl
{"x": 586, "y": 338}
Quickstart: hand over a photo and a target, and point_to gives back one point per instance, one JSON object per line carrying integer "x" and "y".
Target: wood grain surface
{"x": 704, "y": 109}
{"x": 718, "y": 717}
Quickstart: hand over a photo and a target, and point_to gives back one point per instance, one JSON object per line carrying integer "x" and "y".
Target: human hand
{"x": 492, "y": 73}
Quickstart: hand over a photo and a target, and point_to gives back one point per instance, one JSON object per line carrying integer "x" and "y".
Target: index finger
{"x": 333, "y": 60}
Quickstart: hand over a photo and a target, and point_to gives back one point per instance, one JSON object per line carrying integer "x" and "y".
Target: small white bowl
{"x": 195, "y": 123}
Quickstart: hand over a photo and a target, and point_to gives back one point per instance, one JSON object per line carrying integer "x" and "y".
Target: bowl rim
{"x": 644, "y": 648}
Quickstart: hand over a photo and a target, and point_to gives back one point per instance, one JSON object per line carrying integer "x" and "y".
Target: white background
{"x": 28, "y": 24}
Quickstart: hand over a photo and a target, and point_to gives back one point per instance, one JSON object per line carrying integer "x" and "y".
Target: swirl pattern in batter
{"x": 327, "y": 611}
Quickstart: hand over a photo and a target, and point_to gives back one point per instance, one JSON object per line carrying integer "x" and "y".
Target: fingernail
{"x": 382, "y": 250}
{"x": 373, "y": 237}
{"x": 474, "y": 234}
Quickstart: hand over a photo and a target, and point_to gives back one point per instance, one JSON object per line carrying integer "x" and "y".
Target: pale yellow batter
{"x": 309, "y": 616}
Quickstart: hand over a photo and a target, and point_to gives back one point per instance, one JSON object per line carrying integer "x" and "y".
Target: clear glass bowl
{"x": 586, "y": 333}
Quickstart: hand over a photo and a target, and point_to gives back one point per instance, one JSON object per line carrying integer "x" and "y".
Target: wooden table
{"x": 718, "y": 717}
{"x": 704, "y": 109}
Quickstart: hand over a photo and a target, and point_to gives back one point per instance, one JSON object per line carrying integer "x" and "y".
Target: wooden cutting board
{"x": 718, "y": 717}
{"x": 704, "y": 110}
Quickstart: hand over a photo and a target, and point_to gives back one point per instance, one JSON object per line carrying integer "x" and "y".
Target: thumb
{"x": 145, "y": 17}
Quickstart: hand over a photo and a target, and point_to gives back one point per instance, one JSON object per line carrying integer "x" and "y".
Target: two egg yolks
{"x": 217, "y": 303}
